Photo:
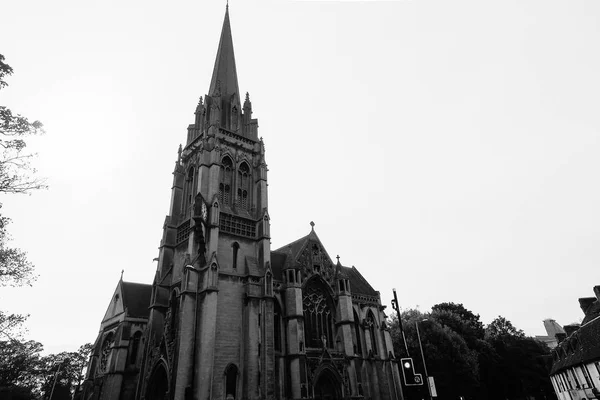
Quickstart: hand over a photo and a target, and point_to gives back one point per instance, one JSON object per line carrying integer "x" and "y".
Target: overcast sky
{"x": 449, "y": 149}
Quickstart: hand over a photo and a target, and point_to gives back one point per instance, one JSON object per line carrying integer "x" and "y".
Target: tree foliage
{"x": 16, "y": 176}
{"x": 25, "y": 373}
{"x": 466, "y": 359}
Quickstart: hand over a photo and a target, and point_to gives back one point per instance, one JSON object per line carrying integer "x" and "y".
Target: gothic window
{"x": 358, "y": 344}
{"x": 372, "y": 330}
{"x": 226, "y": 181}
{"x": 277, "y": 326}
{"x": 243, "y": 186}
{"x": 235, "y": 246}
{"x": 107, "y": 345}
{"x": 318, "y": 315}
{"x": 231, "y": 374}
{"x": 134, "y": 347}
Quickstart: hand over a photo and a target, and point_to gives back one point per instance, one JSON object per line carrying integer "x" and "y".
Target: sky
{"x": 448, "y": 149}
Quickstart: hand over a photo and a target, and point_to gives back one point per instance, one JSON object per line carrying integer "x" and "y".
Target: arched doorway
{"x": 158, "y": 385}
{"x": 327, "y": 386}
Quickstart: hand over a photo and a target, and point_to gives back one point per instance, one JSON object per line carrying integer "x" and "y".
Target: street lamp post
{"x": 56, "y": 376}
{"x": 423, "y": 358}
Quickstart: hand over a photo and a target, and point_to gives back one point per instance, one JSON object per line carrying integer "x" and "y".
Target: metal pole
{"x": 396, "y": 307}
{"x": 55, "y": 379}
{"x": 423, "y": 357}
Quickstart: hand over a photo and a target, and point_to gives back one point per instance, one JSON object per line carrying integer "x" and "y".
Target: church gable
{"x": 314, "y": 260}
{"x": 307, "y": 254}
{"x": 115, "y": 307}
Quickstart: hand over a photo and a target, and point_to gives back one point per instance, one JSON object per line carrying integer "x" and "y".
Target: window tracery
{"x": 370, "y": 322}
{"x": 243, "y": 186}
{"x": 318, "y": 317}
{"x": 105, "y": 351}
{"x": 226, "y": 181}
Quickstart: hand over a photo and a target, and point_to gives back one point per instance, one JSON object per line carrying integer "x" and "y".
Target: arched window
{"x": 107, "y": 345}
{"x": 358, "y": 343}
{"x": 277, "y": 326}
{"x": 371, "y": 327}
{"x": 235, "y": 246}
{"x": 134, "y": 347}
{"x": 243, "y": 186}
{"x": 226, "y": 178}
{"x": 231, "y": 374}
{"x": 319, "y": 319}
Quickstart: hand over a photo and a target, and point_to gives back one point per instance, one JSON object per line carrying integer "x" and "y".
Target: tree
{"x": 66, "y": 369}
{"x": 18, "y": 368}
{"x": 502, "y": 327}
{"x": 447, "y": 355}
{"x": 459, "y": 319}
{"x": 16, "y": 173}
{"x": 16, "y": 176}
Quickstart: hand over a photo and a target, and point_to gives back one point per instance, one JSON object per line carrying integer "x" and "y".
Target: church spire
{"x": 224, "y": 79}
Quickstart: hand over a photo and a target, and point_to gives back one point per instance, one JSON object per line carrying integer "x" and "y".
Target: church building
{"x": 227, "y": 317}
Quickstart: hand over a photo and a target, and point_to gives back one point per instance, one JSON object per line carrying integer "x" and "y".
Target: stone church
{"x": 227, "y": 317}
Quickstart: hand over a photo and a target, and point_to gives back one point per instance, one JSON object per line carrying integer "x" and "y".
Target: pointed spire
{"x": 224, "y": 78}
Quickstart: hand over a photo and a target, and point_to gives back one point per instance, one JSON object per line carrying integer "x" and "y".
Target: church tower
{"x": 208, "y": 334}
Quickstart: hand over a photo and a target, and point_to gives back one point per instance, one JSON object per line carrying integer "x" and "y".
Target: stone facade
{"x": 227, "y": 317}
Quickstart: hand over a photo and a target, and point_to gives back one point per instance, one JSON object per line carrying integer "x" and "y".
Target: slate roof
{"x": 136, "y": 299}
{"x": 581, "y": 347}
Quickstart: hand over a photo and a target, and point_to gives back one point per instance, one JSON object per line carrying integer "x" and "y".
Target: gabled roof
{"x": 287, "y": 256}
{"x": 131, "y": 299}
{"x": 224, "y": 75}
{"x": 295, "y": 248}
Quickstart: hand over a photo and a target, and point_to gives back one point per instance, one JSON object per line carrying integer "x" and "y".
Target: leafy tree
{"x": 502, "y": 327}
{"x": 18, "y": 368}
{"x": 16, "y": 173}
{"x": 459, "y": 319}
{"x": 64, "y": 372}
{"x": 448, "y": 358}
{"x": 16, "y": 176}
{"x": 521, "y": 369}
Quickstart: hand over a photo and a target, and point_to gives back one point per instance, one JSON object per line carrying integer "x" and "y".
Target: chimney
{"x": 586, "y": 302}
{"x": 560, "y": 337}
{"x": 569, "y": 329}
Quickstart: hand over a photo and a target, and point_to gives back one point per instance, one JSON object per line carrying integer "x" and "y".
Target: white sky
{"x": 445, "y": 148}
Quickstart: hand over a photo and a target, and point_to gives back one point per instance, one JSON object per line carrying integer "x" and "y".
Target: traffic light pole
{"x": 396, "y": 307}
{"x": 423, "y": 357}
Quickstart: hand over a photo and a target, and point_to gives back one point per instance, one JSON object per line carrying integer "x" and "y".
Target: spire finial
{"x": 338, "y": 258}
{"x": 312, "y": 225}
{"x": 122, "y": 273}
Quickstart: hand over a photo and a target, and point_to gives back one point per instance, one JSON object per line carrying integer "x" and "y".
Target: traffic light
{"x": 408, "y": 373}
